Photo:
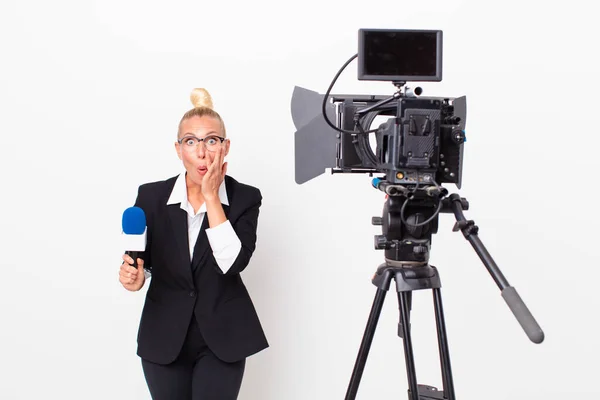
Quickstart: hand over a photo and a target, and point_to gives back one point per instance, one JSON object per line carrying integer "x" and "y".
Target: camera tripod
{"x": 406, "y": 240}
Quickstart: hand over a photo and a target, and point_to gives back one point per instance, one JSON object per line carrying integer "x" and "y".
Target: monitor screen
{"x": 400, "y": 55}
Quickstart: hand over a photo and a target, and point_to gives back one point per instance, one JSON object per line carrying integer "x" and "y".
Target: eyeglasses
{"x": 211, "y": 142}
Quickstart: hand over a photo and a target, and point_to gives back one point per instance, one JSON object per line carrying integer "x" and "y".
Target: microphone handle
{"x": 133, "y": 254}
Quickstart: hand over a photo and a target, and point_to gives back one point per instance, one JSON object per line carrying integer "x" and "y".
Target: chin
{"x": 194, "y": 177}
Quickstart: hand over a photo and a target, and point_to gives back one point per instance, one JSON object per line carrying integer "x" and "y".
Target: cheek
{"x": 186, "y": 157}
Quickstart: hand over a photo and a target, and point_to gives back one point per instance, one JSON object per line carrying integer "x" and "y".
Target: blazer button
{"x": 192, "y": 294}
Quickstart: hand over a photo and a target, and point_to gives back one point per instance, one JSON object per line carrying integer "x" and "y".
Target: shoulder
{"x": 241, "y": 192}
{"x": 156, "y": 189}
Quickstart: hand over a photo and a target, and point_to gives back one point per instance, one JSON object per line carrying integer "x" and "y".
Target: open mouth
{"x": 202, "y": 169}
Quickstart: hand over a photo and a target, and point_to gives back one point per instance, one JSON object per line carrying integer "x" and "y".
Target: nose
{"x": 201, "y": 150}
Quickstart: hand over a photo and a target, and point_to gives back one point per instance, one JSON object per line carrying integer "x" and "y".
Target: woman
{"x": 198, "y": 324}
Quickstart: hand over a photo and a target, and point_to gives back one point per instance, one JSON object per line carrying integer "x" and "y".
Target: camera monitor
{"x": 399, "y": 55}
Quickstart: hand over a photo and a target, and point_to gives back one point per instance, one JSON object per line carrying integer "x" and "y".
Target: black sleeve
{"x": 142, "y": 202}
{"x": 245, "y": 227}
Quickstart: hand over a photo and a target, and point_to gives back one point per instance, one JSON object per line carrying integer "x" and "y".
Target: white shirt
{"x": 223, "y": 240}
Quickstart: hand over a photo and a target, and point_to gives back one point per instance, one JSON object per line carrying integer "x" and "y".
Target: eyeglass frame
{"x": 222, "y": 139}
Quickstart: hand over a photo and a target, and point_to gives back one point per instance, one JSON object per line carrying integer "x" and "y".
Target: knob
{"x": 458, "y": 137}
{"x": 381, "y": 242}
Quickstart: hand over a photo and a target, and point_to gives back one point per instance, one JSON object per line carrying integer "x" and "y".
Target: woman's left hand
{"x": 214, "y": 176}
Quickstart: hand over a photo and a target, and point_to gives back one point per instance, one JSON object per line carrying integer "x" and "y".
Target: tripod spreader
{"x": 509, "y": 293}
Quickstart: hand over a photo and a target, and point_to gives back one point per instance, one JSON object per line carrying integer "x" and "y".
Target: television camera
{"x": 416, "y": 150}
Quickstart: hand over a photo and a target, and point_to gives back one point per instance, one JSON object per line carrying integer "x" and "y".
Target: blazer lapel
{"x": 202, "y": 245}
{"x": 178, "y": 221}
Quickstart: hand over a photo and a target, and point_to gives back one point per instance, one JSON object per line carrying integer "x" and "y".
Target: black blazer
{"x": 180, "y": 287}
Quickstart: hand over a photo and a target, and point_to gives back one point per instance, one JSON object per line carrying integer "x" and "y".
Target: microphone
{"x": 134, "y": 232}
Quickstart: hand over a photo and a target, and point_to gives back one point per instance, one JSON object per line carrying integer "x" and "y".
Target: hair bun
{"x": 201, "y": 98}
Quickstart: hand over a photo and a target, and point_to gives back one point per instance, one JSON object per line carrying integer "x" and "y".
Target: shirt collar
{"x": 179, "y": 195}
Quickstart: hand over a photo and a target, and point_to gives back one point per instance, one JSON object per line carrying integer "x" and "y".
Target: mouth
{"x": 202, "y": 169}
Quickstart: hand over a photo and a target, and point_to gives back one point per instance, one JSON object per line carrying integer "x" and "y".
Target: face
{"x": 196, "y": 159}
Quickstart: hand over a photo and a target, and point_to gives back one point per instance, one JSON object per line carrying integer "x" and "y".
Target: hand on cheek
{"x": 214, "y": 175}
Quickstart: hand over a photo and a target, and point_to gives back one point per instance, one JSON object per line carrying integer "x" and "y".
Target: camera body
{"x": 420, "y": 143}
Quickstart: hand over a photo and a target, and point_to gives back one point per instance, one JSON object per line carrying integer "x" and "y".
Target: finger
{"x": 128, "y": 268}
{"x": 209, "y": 169}
{"x": 218, "y": 158}
{"x": 222, "y": 155}
{"x": 127, "y": 259}
{"x": 127, "y": 277}
{"x": 126, "y": 281}
{"x": 221, "y": 165}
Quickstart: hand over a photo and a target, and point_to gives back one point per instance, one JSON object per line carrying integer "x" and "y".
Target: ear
{"x": 227, "y": 143}
{"x": 178, "y": 150}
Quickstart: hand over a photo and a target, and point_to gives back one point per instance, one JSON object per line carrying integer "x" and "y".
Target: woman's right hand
{"x": 132, "y": 279}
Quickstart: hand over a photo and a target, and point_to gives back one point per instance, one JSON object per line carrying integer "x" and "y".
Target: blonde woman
{"x": 198, "y": 324}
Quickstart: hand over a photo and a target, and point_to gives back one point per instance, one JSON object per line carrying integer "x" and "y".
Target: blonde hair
{"x": 203, "y": 107}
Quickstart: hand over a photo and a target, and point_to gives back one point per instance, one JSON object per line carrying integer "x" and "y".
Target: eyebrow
{"x": 208, "y": 134}
{"x": 211, "y": 133}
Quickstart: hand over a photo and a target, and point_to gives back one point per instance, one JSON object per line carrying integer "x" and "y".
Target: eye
{"x": 211, "y": 140}
{"x": 189, "y": 141}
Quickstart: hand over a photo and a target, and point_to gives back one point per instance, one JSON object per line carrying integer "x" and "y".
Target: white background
{"x": 90, "y": 96}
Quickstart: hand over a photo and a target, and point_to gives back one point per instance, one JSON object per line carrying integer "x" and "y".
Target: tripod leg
{"x": 409, "y": 301}
{"x": 404, "y": 299}
{"x": 365, "y": 345}
{"x": 443, "y": 346}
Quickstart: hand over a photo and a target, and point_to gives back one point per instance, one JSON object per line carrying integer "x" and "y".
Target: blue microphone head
{"x": 134, "y": 221}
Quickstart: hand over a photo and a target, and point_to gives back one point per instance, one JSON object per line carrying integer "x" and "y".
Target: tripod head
{"x": 409, "y": 220}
